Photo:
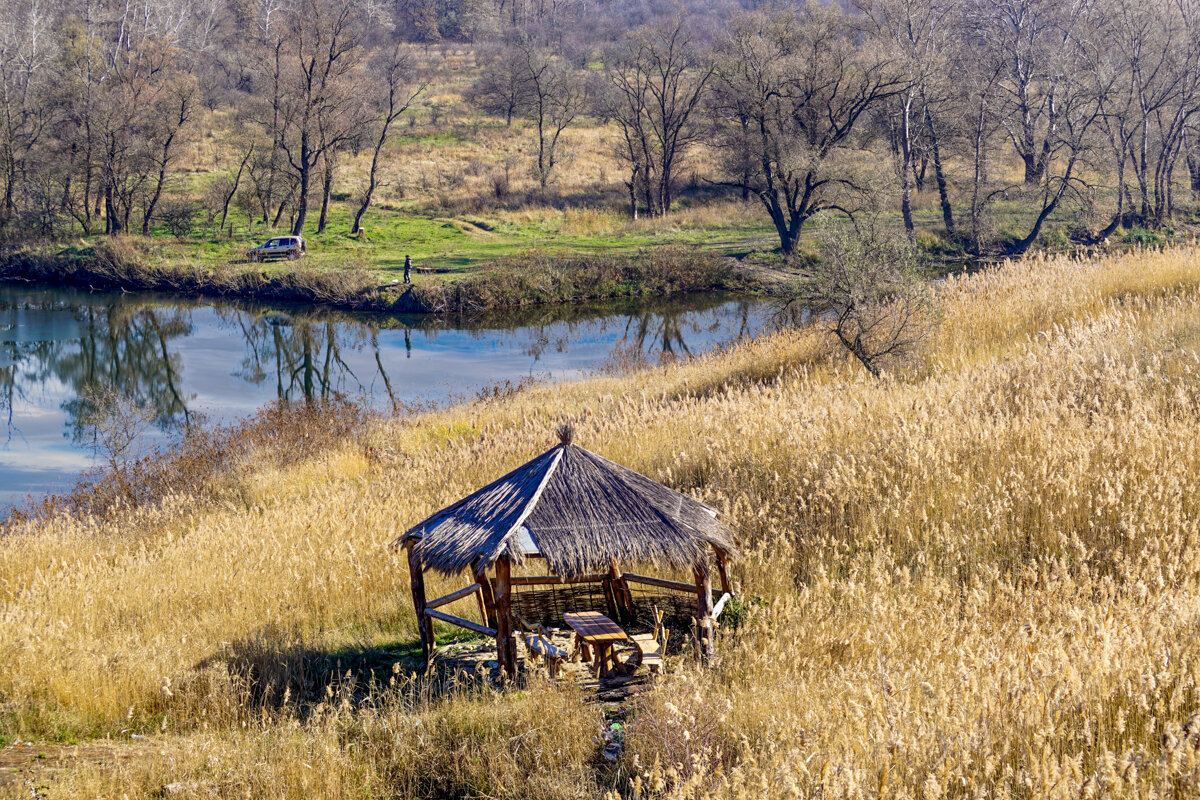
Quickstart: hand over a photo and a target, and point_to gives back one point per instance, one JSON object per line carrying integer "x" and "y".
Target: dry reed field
{"x": 976, "y": 578}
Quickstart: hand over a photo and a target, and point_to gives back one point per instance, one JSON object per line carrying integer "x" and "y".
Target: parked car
{"x": 289, "y": 247}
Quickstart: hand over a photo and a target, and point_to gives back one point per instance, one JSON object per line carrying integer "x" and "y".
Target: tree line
{"x": 1086, "y": 111}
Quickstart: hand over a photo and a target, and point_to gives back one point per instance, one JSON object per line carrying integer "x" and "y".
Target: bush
{"x": 179, "y": 216}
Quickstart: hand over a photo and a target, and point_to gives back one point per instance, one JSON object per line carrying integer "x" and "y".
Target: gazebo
{"x": 585, "y": 516}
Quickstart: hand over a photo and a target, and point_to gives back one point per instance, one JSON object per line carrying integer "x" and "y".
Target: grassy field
{"x": 977, "y": 577}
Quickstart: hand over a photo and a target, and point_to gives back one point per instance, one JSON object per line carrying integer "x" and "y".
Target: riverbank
{"x": 517, "y": 281}
{"x": 929, "y": 559}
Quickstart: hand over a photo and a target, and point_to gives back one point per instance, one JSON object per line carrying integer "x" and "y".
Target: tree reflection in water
{"x": 117, "y": 343}
{"x": 80, "y": 342}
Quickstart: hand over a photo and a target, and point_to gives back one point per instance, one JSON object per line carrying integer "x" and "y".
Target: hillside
{"x": 978, "y": 576}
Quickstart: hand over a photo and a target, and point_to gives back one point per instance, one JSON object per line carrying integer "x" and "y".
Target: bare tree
{"x": 1023, "y": 38}
{"x": 502, "y": 87}
{"x": 556, "y": 97}
{"x": 402, "y": 91}
{"x": 317, "y": 91}
{"x": 659, "y": 78}
{"x": 231, "y": 188}
{"x": 918, "y": 32}
{"x": 24, "y": 116}
{"x": 868, "y": 291}
{"x": 791, "y": 88}
{"x": 171, "y": 114}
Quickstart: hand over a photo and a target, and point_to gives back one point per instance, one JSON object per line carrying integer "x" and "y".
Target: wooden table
{"x": 595, "y": 629}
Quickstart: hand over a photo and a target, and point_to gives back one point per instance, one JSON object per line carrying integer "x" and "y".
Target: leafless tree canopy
{"x": 869, "y": 293}
{"x": 1084, "y": 116}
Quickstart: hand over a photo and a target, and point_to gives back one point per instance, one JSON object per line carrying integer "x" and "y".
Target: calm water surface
{"x": 181, "y": 359}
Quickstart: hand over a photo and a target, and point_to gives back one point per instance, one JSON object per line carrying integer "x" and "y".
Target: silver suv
{"x": 289, "y": 247}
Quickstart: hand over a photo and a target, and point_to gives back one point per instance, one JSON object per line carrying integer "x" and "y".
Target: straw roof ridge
{"x": 579, "y": 510}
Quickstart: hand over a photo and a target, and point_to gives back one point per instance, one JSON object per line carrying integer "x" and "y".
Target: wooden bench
{"x": 651, "y": 646}
{"x": 649, "y": 651}
{"x": 540, "y": 647}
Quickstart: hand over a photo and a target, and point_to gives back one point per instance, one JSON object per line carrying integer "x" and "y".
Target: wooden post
{"x": 486, "y": 597}
{"x": 506, "y": 653}
{"x": 610, "y": 596}
{"x": 704, "y": 611}
{"x": 424, "y": 624}
{"x": 723, "y": 571}
{"x": 621, "y": 595}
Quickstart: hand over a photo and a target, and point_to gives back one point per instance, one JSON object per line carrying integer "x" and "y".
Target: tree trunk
{"x": 906, "y": 163}
{"x": 633, "y": 201}
{"x": 1193, "y": 162}
{"x": 940, "y": 175}
{"x": 704, "y": 607}
{"x": 326, "y": 190}
{"x": 1120, "y": 213}
{"x": 306, "y": 165}
{"x": 237, "y": 180}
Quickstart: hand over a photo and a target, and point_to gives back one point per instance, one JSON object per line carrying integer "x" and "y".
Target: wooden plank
{"x": 547, "y": 580}
{"x": 720, "y": 606}
{"x": 678, "y": 586}
{"x": 474, "y": 627}
{"x": 455, "y": 595}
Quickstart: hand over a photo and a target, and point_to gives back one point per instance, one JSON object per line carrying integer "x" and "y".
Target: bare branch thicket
{"x": 868, "y": 291}
{"x": 791, "y": 90}
{"x": 657, "y": 78}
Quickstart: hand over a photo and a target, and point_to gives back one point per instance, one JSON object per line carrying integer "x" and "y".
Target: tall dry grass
{"x": 979, "y": 577}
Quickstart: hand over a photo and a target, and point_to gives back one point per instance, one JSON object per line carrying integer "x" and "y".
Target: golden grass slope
{"x": 977, "y": 578}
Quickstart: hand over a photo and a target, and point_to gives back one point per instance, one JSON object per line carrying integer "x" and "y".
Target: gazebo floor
{"x": 476, "y": 659}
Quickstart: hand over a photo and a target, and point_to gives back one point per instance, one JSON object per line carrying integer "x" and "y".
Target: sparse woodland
{"x": 1005, "y": 122}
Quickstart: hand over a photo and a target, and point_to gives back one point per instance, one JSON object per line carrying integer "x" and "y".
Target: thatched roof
{"x": 580, "y": 511}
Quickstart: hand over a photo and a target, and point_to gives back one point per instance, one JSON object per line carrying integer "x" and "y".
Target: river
{"x": 174, "y": 360}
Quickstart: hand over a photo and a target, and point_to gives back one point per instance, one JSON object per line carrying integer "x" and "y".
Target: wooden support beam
{"x": 723, "y": 571}
{"x": 487, "y": 599}
{"x": 547, "y": 580}
{"x": 610, "y": 598}
{"x": 678, "y": 586}
{"x": 460, "y": 622}
{"x": 621, "y": 594}
{"x": 505, "y": 649}
{"x": 416, "y": 578}
{"x": 704, "y": 610}
{"x": 455, "y": 595}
